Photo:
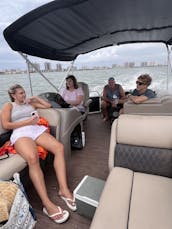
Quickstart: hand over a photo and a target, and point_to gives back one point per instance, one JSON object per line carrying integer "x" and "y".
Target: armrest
{"x": 87, "y": 103}
{"x": 53, "y": 117}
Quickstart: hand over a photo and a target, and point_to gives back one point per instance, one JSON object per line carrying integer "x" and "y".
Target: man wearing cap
{"x": 113, "y": 96}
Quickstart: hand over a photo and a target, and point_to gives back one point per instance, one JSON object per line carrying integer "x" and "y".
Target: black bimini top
{"x": 63, "y": 29}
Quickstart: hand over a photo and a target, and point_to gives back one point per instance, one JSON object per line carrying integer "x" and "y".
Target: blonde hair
{"x": 145, "y": 78}
{"x": 12, "y": 90}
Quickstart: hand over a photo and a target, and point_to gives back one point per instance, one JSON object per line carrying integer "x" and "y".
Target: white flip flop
{"x": 64, "y": 215}
{"x": 70, "y": 203}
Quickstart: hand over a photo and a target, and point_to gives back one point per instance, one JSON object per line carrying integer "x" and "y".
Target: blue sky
{"x": 12, "y": 10}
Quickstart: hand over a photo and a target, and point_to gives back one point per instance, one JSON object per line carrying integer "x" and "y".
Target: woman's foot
{"x": 60, "y": 216}
{"x": 69, "y": 200}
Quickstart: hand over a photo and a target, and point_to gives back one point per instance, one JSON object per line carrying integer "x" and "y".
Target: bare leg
{"x": 104, "y": 106}
{"x": 51, "y": 144}
{"x": 26, "y": 147}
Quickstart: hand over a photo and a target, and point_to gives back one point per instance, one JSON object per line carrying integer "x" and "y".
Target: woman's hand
{"x": 32, "y": 99}
{"x": 32, "y": 120}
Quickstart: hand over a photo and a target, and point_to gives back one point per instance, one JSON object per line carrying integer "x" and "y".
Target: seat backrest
{"x": 142, "y": 143}
{"x": 51, "y": 97}
{"x": 85, "y": 89}
{"x": 2, "y": 130}
{"x": 155, "y": 106}
{"x": 86, "y": 101}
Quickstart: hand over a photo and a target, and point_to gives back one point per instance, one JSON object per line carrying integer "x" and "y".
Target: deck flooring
{"x": 92, "y": 161}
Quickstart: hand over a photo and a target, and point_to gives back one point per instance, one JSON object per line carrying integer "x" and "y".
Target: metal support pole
{"x": 29, "y": 76}
{"x": 169, "y": 68}
{"x": 30, "y": 63}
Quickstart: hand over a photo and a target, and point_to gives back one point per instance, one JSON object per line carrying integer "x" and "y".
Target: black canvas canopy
{"x": 63, "y": 29}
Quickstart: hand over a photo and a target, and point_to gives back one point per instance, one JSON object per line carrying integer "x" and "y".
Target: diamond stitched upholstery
{"x": 144, "y": 159}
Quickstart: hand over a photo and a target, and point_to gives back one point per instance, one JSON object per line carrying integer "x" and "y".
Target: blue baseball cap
{"x": 111, "y": 78}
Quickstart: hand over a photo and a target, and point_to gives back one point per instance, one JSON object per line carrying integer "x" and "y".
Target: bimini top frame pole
{"x": 168, "y": 65}
{"x": 37, "y": 70}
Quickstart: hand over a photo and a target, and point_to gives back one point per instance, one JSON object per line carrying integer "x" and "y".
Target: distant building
{"x": 47, "y": 66}
{"x": 74, "y": 68}
{"x": 114, "y": 65}
{"x": 152, "y": 63}
{"x": 84, "y": 67}
{"x": 129, "y": 64}
{"x": 144, "y": 64}
{"x": 58, "y": 67}
{"x": 32, "y": 69}
{"x": 37, "y": 65}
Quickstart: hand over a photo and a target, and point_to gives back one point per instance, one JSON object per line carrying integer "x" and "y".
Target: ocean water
{"x": 96, "y": 79}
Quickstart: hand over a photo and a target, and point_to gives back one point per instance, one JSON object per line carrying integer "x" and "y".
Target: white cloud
{"x": 151, "y": 52}
{"x": 12, "y": 10}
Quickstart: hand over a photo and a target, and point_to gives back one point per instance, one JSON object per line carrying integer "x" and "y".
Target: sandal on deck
{"x": 59, "y": 217}
{"x": 70, "y": 203}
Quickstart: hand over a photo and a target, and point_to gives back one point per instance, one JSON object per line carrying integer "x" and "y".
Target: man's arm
{"x": 137, "y": 99}
{"x": 149, "y": 94}
{"x": 122, "y": 95}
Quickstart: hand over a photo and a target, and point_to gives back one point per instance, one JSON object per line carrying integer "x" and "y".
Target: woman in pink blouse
{"x": 73, "y": 94}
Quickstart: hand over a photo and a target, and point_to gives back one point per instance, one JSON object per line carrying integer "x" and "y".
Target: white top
{"x": 71, "y": 96}
{"x": 23, "y": 112}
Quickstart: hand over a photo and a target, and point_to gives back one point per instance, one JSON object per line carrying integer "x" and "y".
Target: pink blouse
{"x": 71, "y": 96}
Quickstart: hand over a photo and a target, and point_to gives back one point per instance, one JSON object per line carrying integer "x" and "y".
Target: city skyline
{"x": 59, "y": 67}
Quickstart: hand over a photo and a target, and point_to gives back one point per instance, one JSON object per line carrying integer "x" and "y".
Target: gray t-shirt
{"x": 148, "y": 93}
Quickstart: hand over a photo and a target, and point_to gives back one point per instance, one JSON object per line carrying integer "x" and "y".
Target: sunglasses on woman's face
{"x": 139, "y": 83}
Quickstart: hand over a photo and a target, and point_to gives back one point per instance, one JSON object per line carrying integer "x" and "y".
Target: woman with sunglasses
{"x": 142, "y": 93}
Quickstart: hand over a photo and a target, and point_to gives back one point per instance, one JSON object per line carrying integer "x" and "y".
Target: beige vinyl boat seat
{"x": 15, "y": 163}
{"x": 62, "y": 122}
{"x": 87, "y": 100}
{"x": 157, "y": 106}
{"x": 138, "y": 190}
{"x": 51, "y": 97}
{"x": 12, "y": 164}
{"x": 69, "y": 119}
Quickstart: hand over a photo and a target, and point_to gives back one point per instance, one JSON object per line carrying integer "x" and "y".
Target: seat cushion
{"x": 151, "y": 202}
{"x": 134, "y": 201}
{"x": 113, "y": 208}
{"x": 8, "y": 166}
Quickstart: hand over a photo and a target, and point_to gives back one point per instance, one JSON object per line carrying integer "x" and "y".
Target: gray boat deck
{"x": 92, "y": 161}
